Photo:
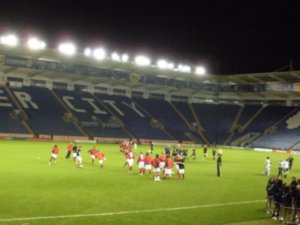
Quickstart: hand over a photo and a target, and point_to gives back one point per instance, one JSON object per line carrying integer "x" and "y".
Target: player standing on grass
{"x": 141, "y": 164}
{"x": 130, "y": 160}
{"x": 156, "y": 169}
{"x": 148, "y": 162}
{"x": 204, "y": 151}
{"x": 162, "y": 160}
{"x": 69, "y": 150}
{"x": 93, "y": 153}
{"x": 193, "y": 156}
{"x": 219, "y": 165}
{"x": 101, "y": 157}
{"x": 75, "y": 148}
{"x": 267, "y": 166}
{"x": 54, "y": 154}
{"x": 168, "y": 167}
{"x": 181, "y": 168}
{"x": 78, "y": 160}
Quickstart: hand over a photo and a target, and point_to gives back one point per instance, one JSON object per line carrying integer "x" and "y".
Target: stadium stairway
{"x": 114, "y": 115}
{"x": 234, "y": 126}
{"x": 253, "y": 117}
{"x": 19, "y": 107}
{"x": 200, "y": 128}
{"x": 162, "y": 128}
{"x": 189, "y": 135}
{"x": 75, "y": 121}
{"x": 180, "y": 115}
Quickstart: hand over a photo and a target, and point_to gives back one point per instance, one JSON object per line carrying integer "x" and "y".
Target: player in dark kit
{"x": 204, "y": 151}
{"x": 219, "y": 164}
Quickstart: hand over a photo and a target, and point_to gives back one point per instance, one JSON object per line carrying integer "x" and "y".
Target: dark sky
{"x": 227, "y": 36}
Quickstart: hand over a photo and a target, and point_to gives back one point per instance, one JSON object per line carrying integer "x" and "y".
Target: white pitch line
{"x": 127, "y": 212}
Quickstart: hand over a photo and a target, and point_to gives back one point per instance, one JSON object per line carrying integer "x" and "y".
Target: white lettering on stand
{"x": 25, "y": 100}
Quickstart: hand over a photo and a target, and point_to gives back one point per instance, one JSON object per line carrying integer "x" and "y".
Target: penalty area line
{"x": 127, "y": 212}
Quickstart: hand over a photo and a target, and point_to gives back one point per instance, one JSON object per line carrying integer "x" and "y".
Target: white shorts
{"x": 101, "y": 161}
{"x": 141, "y": 165}
{"x": 168, "y": 171}
{"x": 79, "y": 159}
{"x": 156, "y": 170}
{"x": 130, "y": 162}
{"x": 148, "y": 166}
{"x": 181, "y": 171}
{"x": 53, "y": 155}
{"x": 93, "y": 157}
{"x": 74, "y": 155}
{"x": 162, "y": 164}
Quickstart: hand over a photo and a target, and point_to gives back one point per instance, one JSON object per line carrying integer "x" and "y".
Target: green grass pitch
{"x": 61, "y": 194}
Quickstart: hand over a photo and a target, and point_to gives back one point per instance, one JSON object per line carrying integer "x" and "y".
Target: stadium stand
{"x": 7, "y": 109}
{"x": 217, "y": 120}
{"x": 165, "y": 114}
{"x": 136, "y": 123}
{"x": 45, "y": 113}
{"x": 282, "y": 136}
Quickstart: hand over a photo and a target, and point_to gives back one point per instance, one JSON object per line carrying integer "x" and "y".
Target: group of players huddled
{"x": 283, "y": 198}
{"x": 161, "y": 165}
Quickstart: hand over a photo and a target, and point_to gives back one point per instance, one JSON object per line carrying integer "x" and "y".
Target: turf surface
{"x": 61, "y": 194}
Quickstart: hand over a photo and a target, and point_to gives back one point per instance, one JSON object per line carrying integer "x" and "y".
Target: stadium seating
{"x": 46, "y": 113}
{"x": 281, "y": 138}
{"x": 162, "y": 111}
{"x": 7, "y": 123}
{"x": 87, "y": 110}
{"x": 217, "y": 120}
{"x": 100, "y": 115}
{"x": 136, "y": 122}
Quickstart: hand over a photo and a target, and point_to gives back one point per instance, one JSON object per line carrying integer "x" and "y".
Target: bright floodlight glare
{"x": 142, "y": 61}
{"x": 67, "y": 48}
{"x": 99, "y": 53}
{"x": 124, "y": 58}
{"x": 162, "y": 64}
{"x": 87, "y": 52}
{"x": 36, "y": 44}
{"x": 10, "y": 40}
{"x": 200, "y": 70}
{"x": 170, "y": 66}
{"x": 184, "y": 68}
{"x": 115, "y": 56}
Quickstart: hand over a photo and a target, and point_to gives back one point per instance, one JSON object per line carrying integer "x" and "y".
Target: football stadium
{"x": 89, "y": 136}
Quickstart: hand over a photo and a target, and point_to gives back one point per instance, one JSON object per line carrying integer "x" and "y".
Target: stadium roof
{"x": 52, "y": 66}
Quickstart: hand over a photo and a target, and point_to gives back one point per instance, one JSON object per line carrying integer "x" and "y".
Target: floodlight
{"x": 67, "y": 48}
{"x": 162, "y": 64}
{"x": 9, "y": 40}
{"x": 116, "y": 57}
{"x": 142, "y": 60}
{"x": 200, "y": 70}
{"x": 87, "y": 52}
{"x": 36, "y": 44}
{"x": 124, "y": 58}
{"x": 99, "y": 53}
{"x": 184, "y": 68}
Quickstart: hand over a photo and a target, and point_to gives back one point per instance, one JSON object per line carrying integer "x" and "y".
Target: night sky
{"x": 228, "y": 37}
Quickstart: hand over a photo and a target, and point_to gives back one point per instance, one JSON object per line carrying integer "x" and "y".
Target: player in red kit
{"x": 101, "y": 157}
{"x": 148, "y": 163}
{"x": 93, "y": 153}
{"x": 156, "y": 169}
{"x": 54, "y": 154}
{"x": 130, "y": 160}
{"x": 141, "y": 163}
{"x": 168, "y": 168}
{"x": 69, "y": 150}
